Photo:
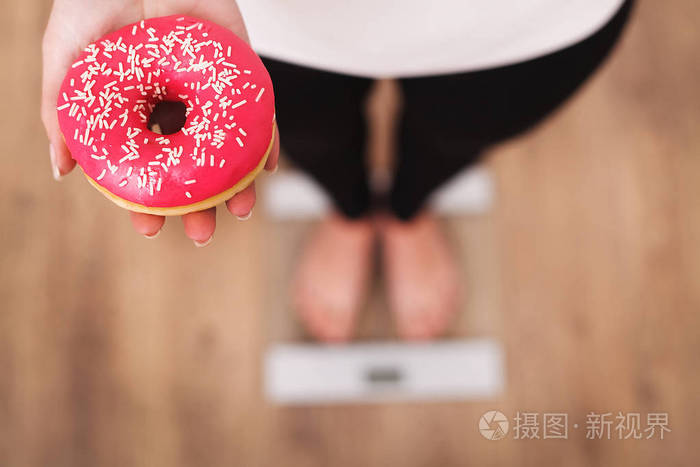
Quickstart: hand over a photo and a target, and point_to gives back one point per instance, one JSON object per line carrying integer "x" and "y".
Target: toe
{"x": 323, "y": 321}
{"x": 337, "y": 325}
{"x": 413, "y": 322}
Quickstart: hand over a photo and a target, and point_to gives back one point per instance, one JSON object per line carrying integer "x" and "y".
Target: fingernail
{"x": 203, "y": 244}
{"x": 151, "y": 237}
{"x": 246, "y": 217}
{"x": 54, "y": 167}
{"x": 273, "y": 171}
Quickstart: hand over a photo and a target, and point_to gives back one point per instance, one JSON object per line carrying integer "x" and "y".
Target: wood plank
{"x": 116, "y": 350}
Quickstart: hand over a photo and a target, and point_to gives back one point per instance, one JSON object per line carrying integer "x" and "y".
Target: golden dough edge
{"x": 199, "y": 205}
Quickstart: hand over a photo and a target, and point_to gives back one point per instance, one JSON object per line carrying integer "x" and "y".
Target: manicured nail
{"x": 54, "y": 167}
{"x": 203, "y": 244}
{"x": 151, "y": 237}
{"x": 246, "y": 217}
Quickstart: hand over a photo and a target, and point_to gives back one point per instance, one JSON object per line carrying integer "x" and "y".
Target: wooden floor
{"x": 118, "y": 351}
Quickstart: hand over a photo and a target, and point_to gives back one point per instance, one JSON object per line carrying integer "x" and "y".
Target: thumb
{"x": 55, "y": 66}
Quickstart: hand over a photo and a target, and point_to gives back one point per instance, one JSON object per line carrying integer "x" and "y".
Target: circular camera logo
{"x": 493, "y": 425}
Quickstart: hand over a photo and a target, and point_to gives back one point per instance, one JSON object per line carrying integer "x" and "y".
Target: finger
{"x": 200, "y": 226}
{"x": 273, "y": 158}
{"x": 55, "y": 65}
{"x": 147, "y": 225}
{"x": 241, "y": 205}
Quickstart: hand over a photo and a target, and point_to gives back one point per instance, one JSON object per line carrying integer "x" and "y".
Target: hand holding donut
{"x": 76, "y": 23}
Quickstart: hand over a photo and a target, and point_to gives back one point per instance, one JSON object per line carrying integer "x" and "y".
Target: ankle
{"x": 336, "y": 220}
{"x": 389, "y": 225}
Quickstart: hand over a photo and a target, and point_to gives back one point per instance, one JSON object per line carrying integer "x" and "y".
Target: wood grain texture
{"x": 116, "y": 350}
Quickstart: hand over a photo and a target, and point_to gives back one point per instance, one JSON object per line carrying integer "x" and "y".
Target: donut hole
{"x": 167, "y": 117}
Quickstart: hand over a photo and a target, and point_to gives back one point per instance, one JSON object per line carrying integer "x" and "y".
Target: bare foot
{"x": 421, "y": 276}
{"x": 332, "y": 277}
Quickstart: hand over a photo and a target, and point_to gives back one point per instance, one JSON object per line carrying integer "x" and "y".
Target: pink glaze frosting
{"x": 110, "y": 90}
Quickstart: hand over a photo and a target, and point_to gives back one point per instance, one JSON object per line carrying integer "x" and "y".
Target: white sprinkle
{"x": 133, "y": 30}
{"x": 77, "y": 64}
{"x": 242, "y": 131}
{"x": 262, "y": 90}
{"x": 190, "y": 182}
{"x": 187, "y": 193}
{"x": 247, "y": 72}
{"x": 240, "y": 143}
{"x": 238, "y": 104}
{"x": 63, "y": 106}
{"x": 223, "y": 161}
{"x": 123, "y": 182}
{"x": 102, "y": 174}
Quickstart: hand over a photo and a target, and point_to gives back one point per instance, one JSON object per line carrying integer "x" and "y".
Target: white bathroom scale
{"x": 377, "y": 367}
{"x": 292, "y": 195}
{"x": 313, "y": 374}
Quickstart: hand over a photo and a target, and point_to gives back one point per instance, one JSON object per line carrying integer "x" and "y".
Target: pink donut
{"x": 110, "y": 91}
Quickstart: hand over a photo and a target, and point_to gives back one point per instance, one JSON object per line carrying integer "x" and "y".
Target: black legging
{"x": 447, "y": 121}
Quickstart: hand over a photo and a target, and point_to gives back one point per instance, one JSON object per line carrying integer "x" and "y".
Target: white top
{"x": 389, "y": 38}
